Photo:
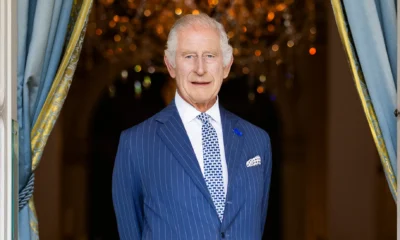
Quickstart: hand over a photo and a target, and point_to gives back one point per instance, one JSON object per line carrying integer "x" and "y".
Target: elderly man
{"x": 194, "y": 170}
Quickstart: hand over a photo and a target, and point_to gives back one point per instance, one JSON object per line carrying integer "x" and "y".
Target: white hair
{"x": 202, "y": 20}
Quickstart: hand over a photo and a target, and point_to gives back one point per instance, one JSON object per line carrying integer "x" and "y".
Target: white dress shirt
{"x": 193, "y": 126}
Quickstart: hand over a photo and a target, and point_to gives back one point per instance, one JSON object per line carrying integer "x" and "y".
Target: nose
{"x": 200, "y": 67}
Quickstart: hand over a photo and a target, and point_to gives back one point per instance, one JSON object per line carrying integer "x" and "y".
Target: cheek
{"x": 181, "y": 75}
{"x": 184, "y": 71}
{"x": 217, "y": 72}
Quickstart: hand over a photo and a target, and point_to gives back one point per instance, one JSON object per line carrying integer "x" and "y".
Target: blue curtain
{"x": 42, "y": 27}
{"x": 369, "y": 33}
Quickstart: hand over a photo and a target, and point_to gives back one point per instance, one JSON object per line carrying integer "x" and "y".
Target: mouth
{"x": 201, "y": 83}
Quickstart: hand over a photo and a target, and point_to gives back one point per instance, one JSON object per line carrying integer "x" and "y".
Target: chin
{"x": 202, "y": 100}
{"x": 200, "y": 97}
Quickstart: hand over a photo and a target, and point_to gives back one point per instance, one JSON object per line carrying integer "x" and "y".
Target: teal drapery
{"x": 369, "y": 35}
{"x": 46, "y": 64}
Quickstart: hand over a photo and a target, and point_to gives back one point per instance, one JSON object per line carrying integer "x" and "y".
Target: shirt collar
{"x": 187, "y": 112}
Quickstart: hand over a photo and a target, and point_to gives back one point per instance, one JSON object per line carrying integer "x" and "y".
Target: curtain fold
{"x": 368, "y": 32}
{"x": 44, "y": 71}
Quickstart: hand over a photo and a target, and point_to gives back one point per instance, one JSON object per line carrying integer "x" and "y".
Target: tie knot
{"x": 204, "y": 118}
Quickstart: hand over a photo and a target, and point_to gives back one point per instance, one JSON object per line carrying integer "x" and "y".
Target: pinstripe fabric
{"x": 159, "y": 191}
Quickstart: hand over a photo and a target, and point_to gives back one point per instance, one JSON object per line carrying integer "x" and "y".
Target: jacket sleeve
{"x": 267, "y": 182}
{"x": 126, "y": 191}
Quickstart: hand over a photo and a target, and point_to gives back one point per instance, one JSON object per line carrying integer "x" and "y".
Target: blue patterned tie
{"x": 212, "y": 164}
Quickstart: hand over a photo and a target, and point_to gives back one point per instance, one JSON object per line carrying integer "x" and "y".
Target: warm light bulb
{"x": 99, "y": 32}
{"x": 260, "y": 89}
{"x": 138, "y": 68}
{"x": 312, "y": 51}
{"x": 112, "y": 24}
{"x": 117, "y": 38}
{"x": 147, "y": 12}
{"x": 271, "y": 16}
{"x": 178, "y": 11}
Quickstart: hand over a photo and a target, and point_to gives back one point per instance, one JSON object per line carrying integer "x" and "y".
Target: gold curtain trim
{"x": 59, "y": 89}
{"x": 56, "y": 97}
{"x": 364, "y": 94}
{"x": 33, "y": 223}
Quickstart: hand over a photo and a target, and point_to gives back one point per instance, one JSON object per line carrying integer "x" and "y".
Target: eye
{"x": 210, "y": 56}
{"x": 189, "y": 56}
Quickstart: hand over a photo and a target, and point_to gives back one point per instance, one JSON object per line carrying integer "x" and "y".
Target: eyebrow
{"x": 193, "y": 52}
{"x": 188, "y": 52}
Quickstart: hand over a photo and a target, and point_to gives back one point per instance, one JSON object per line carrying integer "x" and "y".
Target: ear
{"x": 171, "y": 69}
{"x": 227, "y": 68}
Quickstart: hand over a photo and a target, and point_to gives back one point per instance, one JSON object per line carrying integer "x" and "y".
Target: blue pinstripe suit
{"x": 159, "y": 191}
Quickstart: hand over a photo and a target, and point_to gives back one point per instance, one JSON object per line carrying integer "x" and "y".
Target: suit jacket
{"x": 159, "y": 191}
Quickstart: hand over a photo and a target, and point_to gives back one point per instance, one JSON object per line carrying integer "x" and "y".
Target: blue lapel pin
{"x": 237, "y": 132}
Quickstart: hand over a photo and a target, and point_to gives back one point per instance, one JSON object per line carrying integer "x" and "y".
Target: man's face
{"x": 199, "y": 69}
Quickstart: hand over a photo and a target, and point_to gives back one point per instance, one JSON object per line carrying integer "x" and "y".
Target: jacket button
{"x": 222, "y": 235}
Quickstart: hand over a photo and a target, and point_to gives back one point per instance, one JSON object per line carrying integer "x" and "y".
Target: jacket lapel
{"x": 172, "y": 132}
{"x": 233, "y": 143}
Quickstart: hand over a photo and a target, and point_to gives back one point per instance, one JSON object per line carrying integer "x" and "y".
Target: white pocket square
{"x": 253, "y": 161}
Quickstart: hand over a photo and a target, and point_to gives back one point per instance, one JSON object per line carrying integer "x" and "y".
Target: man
{"x": 194, "y": 170}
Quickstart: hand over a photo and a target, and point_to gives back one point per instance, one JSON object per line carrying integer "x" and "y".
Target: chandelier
{"x": 264, "y": 34}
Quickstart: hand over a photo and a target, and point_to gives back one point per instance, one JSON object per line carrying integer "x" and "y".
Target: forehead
{"x": 198, "y": 37}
